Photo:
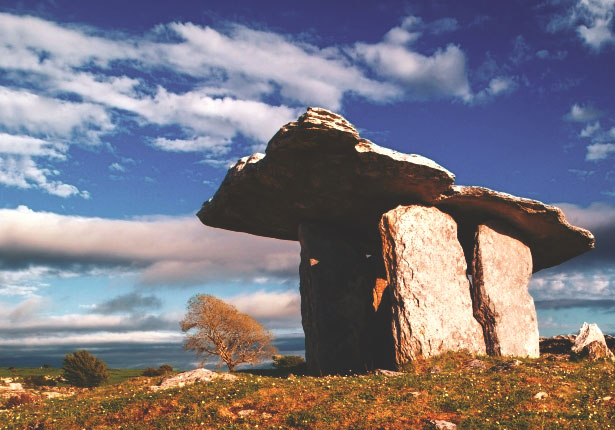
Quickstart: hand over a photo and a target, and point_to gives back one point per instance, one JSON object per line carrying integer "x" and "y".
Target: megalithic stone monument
{"x": 397, "y": 262}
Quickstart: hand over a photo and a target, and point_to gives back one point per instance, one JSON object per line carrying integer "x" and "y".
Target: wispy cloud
{"x": 163, "y": 251}
{"x": 591, "y": 19}
{"x": 127, "y": 303}
{"x": 605, "y": 304}
{"x": 269, "y": 305}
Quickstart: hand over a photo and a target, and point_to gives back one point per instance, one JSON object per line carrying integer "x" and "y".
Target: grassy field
{"x": 115, "y": 375}
{"x": 581, "y": 395}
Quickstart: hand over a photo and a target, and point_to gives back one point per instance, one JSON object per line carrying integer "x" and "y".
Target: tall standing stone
{"x": 502, "y": 267}
{"x": 430, "y": 291}
{"x": 346, "y": 328}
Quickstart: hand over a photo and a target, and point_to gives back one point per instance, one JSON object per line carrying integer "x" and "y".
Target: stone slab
{"x": 502, "y": 268}
{"x": 344, "y": 333}
{"x": 426, "y": 270}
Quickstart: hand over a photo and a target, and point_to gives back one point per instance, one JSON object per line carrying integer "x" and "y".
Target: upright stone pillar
{"x": 340, "y": 296}
{"x": 502, "y": 268}
{"x": 430, "y": 291}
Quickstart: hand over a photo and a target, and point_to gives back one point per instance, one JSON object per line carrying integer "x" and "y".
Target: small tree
{"x": 83, "y": 369}
{"x": 217, "y": 328}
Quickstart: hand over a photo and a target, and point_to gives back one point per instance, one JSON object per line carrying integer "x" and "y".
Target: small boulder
{"x": 598, "y": 351}
{"x": 244, "y": 413}
{"x": 385, "y": 372}
{"x": 190, "y": 377}
{"x": 477, "y": 364}
{"x": 590, "y": 341}
{"x": 507, "y": 365}
{"x": 541, "y": 395}
{"x": 441, "y": 425}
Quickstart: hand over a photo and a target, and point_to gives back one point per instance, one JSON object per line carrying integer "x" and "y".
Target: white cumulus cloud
{"x": 599, "y": 151}
{"x": 581, "y": 113}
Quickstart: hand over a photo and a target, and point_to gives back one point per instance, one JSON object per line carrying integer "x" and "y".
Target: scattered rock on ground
{"x": 246, "y": 413}
{"x": 476, "y": 364}
{"x": 591, "y": 342}
{"x": 541, "y": 395}
{"x": 385, "y": 372}
{"x": 507, "y": 365}
{"x": 54, "y": 394}
{"x": 441, "y": 425}
{"x": 190, "y": 377}
{"x": 598, "y": 351}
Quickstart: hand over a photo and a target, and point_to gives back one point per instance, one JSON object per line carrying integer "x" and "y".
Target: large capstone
{"x": 502, "y": 267}
{"x": 318, "y": 169}
{"x": 345, "y": 329}
{"x": 430, "y": 291}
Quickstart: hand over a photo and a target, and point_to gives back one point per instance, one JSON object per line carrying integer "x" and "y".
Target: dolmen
{"x": 397, "y": 262}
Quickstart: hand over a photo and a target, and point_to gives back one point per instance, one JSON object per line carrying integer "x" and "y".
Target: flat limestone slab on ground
{"x": 191, "y": 377}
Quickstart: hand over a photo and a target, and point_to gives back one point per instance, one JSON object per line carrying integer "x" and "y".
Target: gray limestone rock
{"x": 344, "y": 333}
{"x": 591, "y": 342}
{"x": 502, "y": 268}
{"x": 426, "y": 270}
{"x": 441, "y": 425}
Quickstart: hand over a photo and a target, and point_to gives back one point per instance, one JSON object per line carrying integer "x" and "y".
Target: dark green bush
{"x": 162, "y": 370}
{"x": 150, "y": 371}
{"x": 83, "y": 369}
{"x": 287, "y": 361}
{"x": 166, "y": 368}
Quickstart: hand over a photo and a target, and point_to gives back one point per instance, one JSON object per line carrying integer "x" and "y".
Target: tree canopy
{"x": 215, "y": 328}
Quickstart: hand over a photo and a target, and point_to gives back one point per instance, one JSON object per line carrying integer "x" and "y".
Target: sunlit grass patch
{"x": 473, "y": 398}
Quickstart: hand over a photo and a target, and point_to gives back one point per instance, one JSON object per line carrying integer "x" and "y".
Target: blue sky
{"x": 118, "y": 120}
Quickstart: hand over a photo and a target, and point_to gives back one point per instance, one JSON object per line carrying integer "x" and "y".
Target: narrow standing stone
{"x": 426, "y": 269}
{"x": 502, "y": 268}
